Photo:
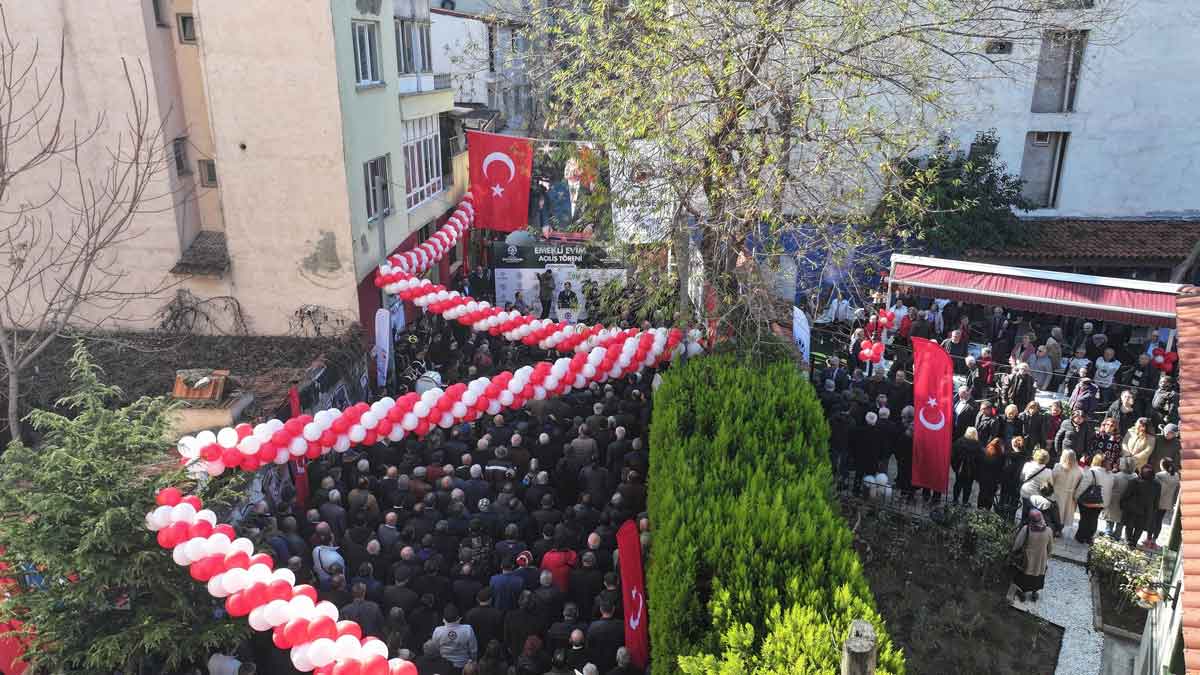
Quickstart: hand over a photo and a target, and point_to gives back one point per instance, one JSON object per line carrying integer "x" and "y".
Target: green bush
{"x": 1115, "y": 565}
{"x": 753, "y": 570}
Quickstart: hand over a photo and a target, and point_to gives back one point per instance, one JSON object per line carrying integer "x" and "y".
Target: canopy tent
{"x": 1141, "y": 303}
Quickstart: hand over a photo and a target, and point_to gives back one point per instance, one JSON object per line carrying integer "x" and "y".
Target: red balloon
{"x": 280, "y": 438}
{"x": 227, "y": 530}
{"x": 179, "y": 533}
{"x": 256, "y": 595}
{"x": 422, "y": 428}
{"x": 349, "y": 628}
{"x": 326, "y": 669}
{"x": 262, "y": 559}
{"x": 168, "y": 496}
{"x": 236, "y": 559}
{"x": 384, "y": 427}
{"x": 375, "y": 665}
{"x": 165, "y": 538}
{"x": 370, "y": 438}
{"x": 405, "y": 668}
{"x": 266, "y": 452}
{"x": 238, "y": 604}
{"x": 200, "y": 528}
{"x": 328, "y": 438}
{"x": 313, "y": 452}
{"x": 322, "y": 627}
{"x": 296, "y": 631}
{"x": 305, "y": 589}
{"x": 210, "y": 453}
{"x": 231, "y": 457}
{"x": 243, "y": 430}
{"x": 250, "y": 463}
{"x": 294, "y": 427}
{"x": 280, "y": 638}
{"x": 193, "y": 500}
{"x": 279, "y": 590}
{"x": 200, "y": 570}
{"x": 878, "y": 348}
{"x": 1158, "y": 351}
{"x": 876, "y": 358}
{"x": 864, "y": 355}
{"x": 348, "y": 667}
{"x": 866, "y": 345}
{"x": 340, "y": 425}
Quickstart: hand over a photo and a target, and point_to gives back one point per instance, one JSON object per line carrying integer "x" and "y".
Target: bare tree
{"x": 58, "y": 250}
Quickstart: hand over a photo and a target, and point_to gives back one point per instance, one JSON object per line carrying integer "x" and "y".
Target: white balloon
{"x": 421, "y": 409}
{"x": 447, "y": 421}
{"x": 347, "y": 647}
{"x": 260, "y": 573}
{"x": 214, "y": 586}
{"x": 183, "y": 513}
{"x": 506, "y": 398}
{"x": 396, "y": 433}
{"x": 342, "y": 444}
{"x": 195, "y": 548}
{"x": 588, "y": 370}
{"x": 297, "y": 446}
{"x": 494, "y": 407}
{"x": 409, "y": 421}
{"x": 282, "y": 456}
{"x": 300, "y": 658}
{"x": 311, "y": 431}
{"x": 215, "y": 468}
{"x": 188, "y": 447}
{"x": 276, "y": 612}
{"x": 320, "y": 652}
{"x": 375, "y": 647}
{"x": 162, "y": 516}
{"x": 539, "y": 393}
{"x": 580, "y": 380}
{"x": 258, "y": 619}
{"x": 285, "y": 574}
{"x": 550, "y": 383}
{"x": 469, "y": 397}
{"x": 249, "y": 445}
{"x": 244, "y": 545}
{"x": 206, "y": 437}
{"x": 274, "y": 425}
{"x": 328, "y": 609}
{"x": 459, "y": 409}
{"x": 227, "y": 438}
{"x": 357, "y": 433}
{"x": 302, "y": 606}
{"x": 368, "y": 420}
{"x": 235, "y": 579}
{"x": 205, "y": 514}
{"x": 219, "y": 543}
{"x": 262, "y": 432}
{"x": 180, "y": 556}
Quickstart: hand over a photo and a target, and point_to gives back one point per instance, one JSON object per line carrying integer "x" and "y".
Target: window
{"x": 422, "y": 160}
{"x": 1042, "y": 167}
{"x": 492, "y": 40}
{"x": 1059, "y": 65}
{"x": 376, "y": 177}
{"x": 159, "y": 19}
{"x": 208, "y": 173}
{"x": 366, "y": 53}
{"x": 187, "y": 28}
{"x": 998, "y": 47}
{"x": 413, "y": 46}
{"x": 180, "y": 152}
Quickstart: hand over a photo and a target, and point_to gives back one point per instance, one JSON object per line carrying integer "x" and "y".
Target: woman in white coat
{"x": 1067, "y": 476}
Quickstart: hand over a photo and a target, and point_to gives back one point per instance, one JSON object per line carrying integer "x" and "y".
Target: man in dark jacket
{"x": 1138, "y": 504}
{"x": 487, "y": 621}
{"x": 867, "y": 444}
{"x": 366, "y": 613}
{"x": 604, "y": 636}
{"x": 1125, "y": 411}
{"x": 964, "y": 411}
{"x": 545, "y": 295}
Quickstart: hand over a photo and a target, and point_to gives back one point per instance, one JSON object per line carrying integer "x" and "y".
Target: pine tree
{"x": 100, "y": 595}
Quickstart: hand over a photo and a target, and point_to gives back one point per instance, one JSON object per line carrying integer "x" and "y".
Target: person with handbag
{"x": 1091, "y": 493}
{"x": 1035, "y": 542}
{"x": 1036, "y": 477}
{"x": 1066, "y": 478}
{"x": 1114, "y": 504}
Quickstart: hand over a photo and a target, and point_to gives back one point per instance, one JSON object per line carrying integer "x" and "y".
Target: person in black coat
{"x": 1020, "y": 390}
{"x": 965, "y": 411}
{"x": 869, "y": 438}
{"x": 964, "y": 459}
{"x": 990, "y": 472}
{"x": 1074, "y": 434}
{"x": 986, "y": 424}
{"x": 1139, "y": 503}
{"x": 1036, "y": 426}
{"x": 1010, "y": 480}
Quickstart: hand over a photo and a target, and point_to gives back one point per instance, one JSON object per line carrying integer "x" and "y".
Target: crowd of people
{"x": 1107, "y": 444}
{"x": 485, "y": 549}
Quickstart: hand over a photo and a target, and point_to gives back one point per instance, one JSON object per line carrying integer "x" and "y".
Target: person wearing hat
{"x": 1086, "y": 395}
{"x": 1035, "y": 541}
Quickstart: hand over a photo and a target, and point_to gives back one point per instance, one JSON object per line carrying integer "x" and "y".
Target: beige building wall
{"x": 272, "y": 90}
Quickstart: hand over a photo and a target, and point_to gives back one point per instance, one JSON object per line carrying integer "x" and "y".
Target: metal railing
{"x": 442, "y": 81}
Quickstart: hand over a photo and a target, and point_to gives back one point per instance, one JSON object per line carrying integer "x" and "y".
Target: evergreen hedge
{"x": 752, "y": 569}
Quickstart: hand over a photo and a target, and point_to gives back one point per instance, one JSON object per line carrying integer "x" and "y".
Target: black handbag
{"x": 1093, "y": 496}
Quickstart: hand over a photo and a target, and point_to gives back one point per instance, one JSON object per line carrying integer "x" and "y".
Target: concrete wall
{"x": 98, "y": 35}
{"x": 1134, "y": 148}
{"x": 460, "y": 48}
{"x": 272, "y": 89}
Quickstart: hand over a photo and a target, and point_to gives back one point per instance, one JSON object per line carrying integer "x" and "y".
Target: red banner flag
{"x": 633, "y": 585}
{"x": 299, "y": 474}
{"x": 501, "y": 171}
{"x": 933, "y": 397}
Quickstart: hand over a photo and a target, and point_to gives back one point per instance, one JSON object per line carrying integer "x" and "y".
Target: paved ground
{"x": 1067, "y": 601}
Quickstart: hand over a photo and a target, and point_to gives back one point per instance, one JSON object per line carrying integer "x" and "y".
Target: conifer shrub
{"x": 752, "y": 569}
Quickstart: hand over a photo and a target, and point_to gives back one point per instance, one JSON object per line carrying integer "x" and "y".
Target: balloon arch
{"x": 269, "y": 597}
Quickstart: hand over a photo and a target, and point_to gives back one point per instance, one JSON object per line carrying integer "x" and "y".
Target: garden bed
{"x": 948, "y": 616}
{"x": 1115, "y": 612}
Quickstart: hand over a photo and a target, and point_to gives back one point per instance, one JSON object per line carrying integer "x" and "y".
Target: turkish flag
{"x": 933, "y": 397}
{"x": 501, "y": 171}
{"x": 633, "y": 586}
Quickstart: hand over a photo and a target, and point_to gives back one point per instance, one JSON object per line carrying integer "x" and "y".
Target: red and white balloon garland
{"x": 268, "y": 597}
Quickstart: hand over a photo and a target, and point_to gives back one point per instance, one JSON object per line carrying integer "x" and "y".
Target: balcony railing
{"x": 441, "y": 81}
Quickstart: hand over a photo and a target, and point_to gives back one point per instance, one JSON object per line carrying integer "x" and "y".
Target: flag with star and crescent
{"x": 501, "y": 171}
{"x": 933, "y": 398}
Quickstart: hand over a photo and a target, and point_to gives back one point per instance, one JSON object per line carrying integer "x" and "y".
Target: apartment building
{"x": 306, "y": 145}
{"x": 486, "y": 58}
{"x": 1100, "y": 124}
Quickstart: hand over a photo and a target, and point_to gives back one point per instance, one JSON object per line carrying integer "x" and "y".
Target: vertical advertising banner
{"x": 571, "y": 275}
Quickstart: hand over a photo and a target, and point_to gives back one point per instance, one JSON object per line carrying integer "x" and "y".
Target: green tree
{"x": 746, "y": 114}
{"x": 950, "y": 201}
{"x": 73, "y": 514}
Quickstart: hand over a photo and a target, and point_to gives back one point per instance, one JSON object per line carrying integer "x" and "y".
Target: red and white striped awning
{"x": 1141, "y": 303}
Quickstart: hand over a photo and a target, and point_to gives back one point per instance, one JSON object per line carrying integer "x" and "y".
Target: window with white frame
{"x": 413, "y": 47}
{"x": 376, "y": 177}
{"x": 422, "y": 160}
{"x": 366, "y": 52}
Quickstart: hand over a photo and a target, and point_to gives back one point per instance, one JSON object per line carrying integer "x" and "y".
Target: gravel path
{"x": 1067, "y": 601}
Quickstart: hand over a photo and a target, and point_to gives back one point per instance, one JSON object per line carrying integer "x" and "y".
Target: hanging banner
{"x": 802, "y": 332}
{"x": 633, "y": 585}
{"x": 933, "y": 396}
{"x": 383, "y": 346}
{"x": 577, "y": 273}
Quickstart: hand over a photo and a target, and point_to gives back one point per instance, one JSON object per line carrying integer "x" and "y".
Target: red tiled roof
{"x": 1117, "y": 240}
{"x": 1188, "y": 324}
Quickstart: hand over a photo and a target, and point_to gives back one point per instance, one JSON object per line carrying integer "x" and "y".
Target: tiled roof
{"x": 1116, "y": 240}
{"x": 207, "y": 255}
{"x": 1189, "y": 499}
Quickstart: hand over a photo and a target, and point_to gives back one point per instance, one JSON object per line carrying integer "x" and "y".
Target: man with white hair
{"x": 868, "y": 439}
{"x": 333, "y": 513}
{"x": 835, "y": 372}
{"x": 625, "y": 664}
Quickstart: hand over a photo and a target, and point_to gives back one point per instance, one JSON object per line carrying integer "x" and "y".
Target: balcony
{"x": 423, "y": 83}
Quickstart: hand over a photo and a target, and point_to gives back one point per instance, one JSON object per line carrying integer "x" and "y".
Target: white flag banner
{"x": 383, "y": 345}
{"x": 802, "y": 333}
